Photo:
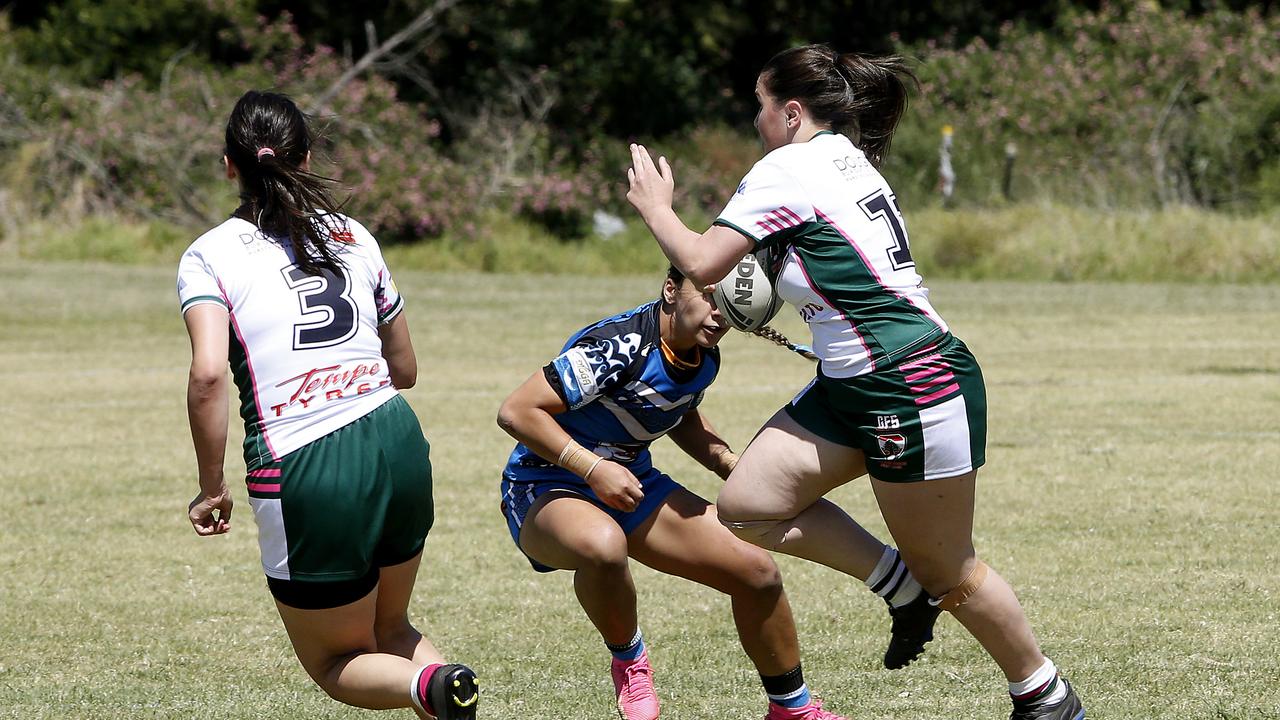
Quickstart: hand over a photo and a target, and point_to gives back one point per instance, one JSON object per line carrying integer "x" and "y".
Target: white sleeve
{"x": 769, "y": 205}
{"x": 197, "y": 283}
{"x": 385, "y": 294}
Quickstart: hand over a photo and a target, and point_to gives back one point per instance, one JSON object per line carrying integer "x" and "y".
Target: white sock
{"x": 413, "y": 688}
{"x": 892, "y": 581}
{"x": 1042, "y": 687}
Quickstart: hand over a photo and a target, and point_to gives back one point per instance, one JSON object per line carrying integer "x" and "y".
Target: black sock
{"x": 787, "y": 689}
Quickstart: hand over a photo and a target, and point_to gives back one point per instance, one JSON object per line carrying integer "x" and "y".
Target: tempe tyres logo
{"x": 331, "y": 383}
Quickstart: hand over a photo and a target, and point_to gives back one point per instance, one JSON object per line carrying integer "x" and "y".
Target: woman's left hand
{"x": 652, "y": 187}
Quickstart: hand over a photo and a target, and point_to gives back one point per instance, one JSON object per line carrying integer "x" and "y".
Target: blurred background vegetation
{"x": 1091, "y": 140}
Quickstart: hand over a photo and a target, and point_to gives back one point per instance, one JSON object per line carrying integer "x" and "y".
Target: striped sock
{"x": 418, "y": 688}
{"x": 787, "y": 690}
{"x": 892, "y": 581}
{"x": 629, "y": 651}
{"x": 1043, "y": 687}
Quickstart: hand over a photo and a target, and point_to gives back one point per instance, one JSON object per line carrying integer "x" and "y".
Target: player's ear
{"x": 669, "y": 291}
{"x": 231, "y": 167}
{"x": 794, "y": 112}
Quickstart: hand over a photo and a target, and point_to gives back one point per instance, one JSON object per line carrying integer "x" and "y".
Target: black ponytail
{"x": 268, "y": 140}
{"x": 859, "y": 95}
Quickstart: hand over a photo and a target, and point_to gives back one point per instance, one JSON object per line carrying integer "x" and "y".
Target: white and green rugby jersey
{"x": 305, "y": 351}
{"x": 834, "y": 223}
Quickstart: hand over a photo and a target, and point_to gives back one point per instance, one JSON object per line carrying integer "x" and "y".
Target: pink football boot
{"x": 812, "y": 711}
{"x": 633, "y": 681}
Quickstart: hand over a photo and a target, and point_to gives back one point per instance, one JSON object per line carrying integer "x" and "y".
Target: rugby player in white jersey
{"x": 896, "y": 396}
{"x": 297, "y": 299}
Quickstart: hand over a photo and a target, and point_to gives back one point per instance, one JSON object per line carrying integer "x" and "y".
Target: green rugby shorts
{"x": 356, "y": 499}
{"x": 922, "y": 419}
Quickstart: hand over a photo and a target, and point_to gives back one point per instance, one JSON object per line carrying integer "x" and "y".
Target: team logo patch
{"x": 343, "y": 236}
{"x": 892, "y": 446}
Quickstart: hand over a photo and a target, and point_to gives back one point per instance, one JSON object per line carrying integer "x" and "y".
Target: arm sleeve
{"x": 593, "y": 366}
{"x": 197, "y": 283}
{"x": 386, "y": 296}
{"x": 768, "y": 207}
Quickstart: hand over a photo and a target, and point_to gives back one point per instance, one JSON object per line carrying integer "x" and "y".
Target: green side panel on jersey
{"x": 256, "y": 452}
{"x": 889, "y": 325}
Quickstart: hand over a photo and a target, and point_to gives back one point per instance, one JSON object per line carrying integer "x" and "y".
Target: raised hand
{"x": 651, "y": 187}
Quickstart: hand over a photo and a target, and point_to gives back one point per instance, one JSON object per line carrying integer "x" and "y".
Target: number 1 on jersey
{"x": 878, "y": 207}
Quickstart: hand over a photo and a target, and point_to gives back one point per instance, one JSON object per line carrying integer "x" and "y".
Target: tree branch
{"x": 424, "y": 20}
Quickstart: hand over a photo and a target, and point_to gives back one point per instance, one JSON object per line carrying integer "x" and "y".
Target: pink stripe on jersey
{"x": 926, "y": 371}
{"x": 788, "y": 211}
{"x": 948, "y": 390}
{"x": 871, "y": 361}
{"x": 225, "y": 298}
{"x": 783, "y": 220}
{"x": 265, "y": 472}
{"x": 933, "y": 382}
{"x": 872, "y": 268}
{"x": 920, "y": 360}
{"x": 770, "y": 224}
{"x": 264, "y": 487}
{"x": 253, "y": 381}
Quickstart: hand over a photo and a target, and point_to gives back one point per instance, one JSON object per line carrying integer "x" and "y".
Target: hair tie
{"x": 265, "y": 152}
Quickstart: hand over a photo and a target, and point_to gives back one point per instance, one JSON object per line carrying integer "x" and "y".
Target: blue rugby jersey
{"x": 620, "y": 392}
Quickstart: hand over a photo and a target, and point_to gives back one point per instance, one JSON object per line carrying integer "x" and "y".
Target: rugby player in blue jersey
{"x": 580, "y": 491}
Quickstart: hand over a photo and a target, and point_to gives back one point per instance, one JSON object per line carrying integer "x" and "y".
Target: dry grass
{"x": 1130, "y": 497}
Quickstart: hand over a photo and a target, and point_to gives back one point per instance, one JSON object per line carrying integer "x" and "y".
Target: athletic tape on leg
{"x": 965, "y": 590}
{"x": 756, "y": 532}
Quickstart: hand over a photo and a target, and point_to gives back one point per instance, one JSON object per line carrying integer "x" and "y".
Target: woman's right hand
{"x": 615, "y": 486}
{"x": 210, "y": 515}
{"x": 651, "y": 187}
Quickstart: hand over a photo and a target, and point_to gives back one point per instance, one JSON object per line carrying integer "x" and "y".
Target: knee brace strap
{"x": 757, "y": 532}
{"x": 756, "y": 526}
{"x": 962, "y": 592}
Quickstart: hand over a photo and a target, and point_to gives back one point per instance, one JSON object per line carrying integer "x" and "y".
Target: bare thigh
{"x": 784, "y": 470}
{"x": 394, "y": 632}
{"x": 932, "y": 523}
{"x": 685, "y": 538}
{"x": 564, "y": 530}
{"x": 319, "y": 637}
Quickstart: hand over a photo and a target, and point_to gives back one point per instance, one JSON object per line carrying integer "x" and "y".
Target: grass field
{"x": 1132, "y": 497}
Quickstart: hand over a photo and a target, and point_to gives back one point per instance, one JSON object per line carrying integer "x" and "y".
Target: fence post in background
{"x": 1010, "y": 155}
{"x": 946, "y": 175}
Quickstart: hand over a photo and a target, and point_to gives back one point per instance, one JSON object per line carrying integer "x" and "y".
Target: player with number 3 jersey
{"x": 297, "y": 299}
{"x": 896, "y": 397}
{"x": 305, "y": 351}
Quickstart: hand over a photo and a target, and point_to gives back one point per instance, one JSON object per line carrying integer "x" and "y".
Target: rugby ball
{"x": 745, "y": 296}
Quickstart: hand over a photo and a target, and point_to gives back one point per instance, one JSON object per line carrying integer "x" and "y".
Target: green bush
{"x": 1129, "y": 106}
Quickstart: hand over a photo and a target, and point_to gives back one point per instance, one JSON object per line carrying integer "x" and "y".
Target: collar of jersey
{"x": 670, "y": 356}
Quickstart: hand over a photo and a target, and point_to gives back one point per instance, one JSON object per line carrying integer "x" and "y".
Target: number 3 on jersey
{"x": 878, "y": 207}
{"x": 325, "y": 303}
